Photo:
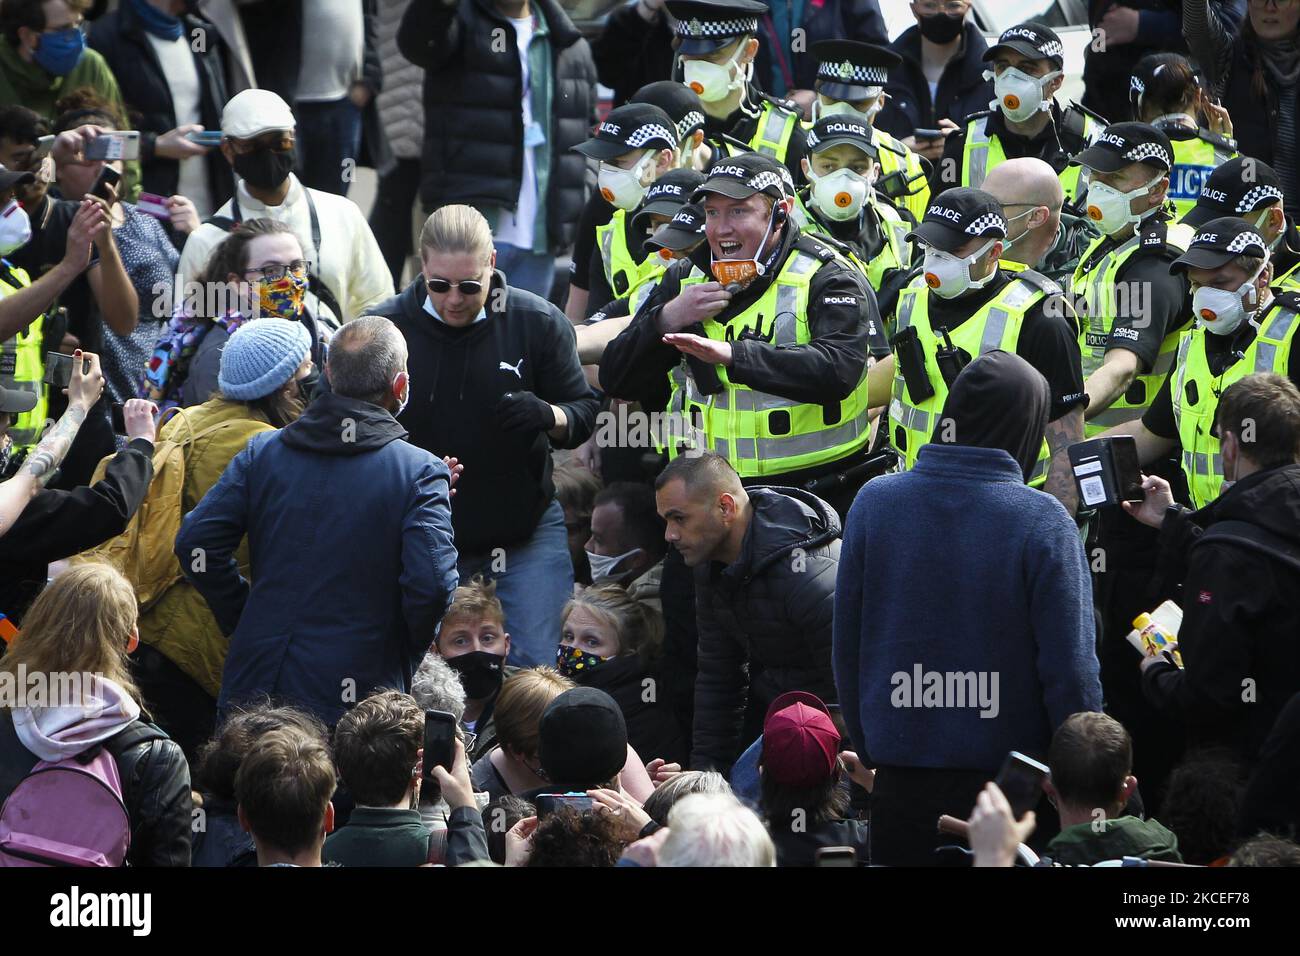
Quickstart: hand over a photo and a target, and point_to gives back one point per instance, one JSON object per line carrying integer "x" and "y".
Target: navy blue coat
{"x": 353, "y": 560}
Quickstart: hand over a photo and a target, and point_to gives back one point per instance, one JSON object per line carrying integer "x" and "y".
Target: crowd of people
{"x": 765, "y": 535}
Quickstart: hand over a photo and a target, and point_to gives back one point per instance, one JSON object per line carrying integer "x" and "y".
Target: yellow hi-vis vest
{"x": 759, "y": 433}
{"x": 22, "y": 364}
{"x": 1289, "y": 281}
{"x": 896, "y": 252}
{"x": 1094, "y": 282}
{"x": 995, "y": 326}
{"x": 1194, "y": 160}
{"x": 982, "y": 150}
{"x": 776, "y": 127}
{"x": 1194, "y": 392}
{"x": 622, "y": 271}
{"x": 894, "y": 157}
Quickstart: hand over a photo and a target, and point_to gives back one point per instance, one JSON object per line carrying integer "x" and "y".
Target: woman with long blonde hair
{"x": 66, "y": 688}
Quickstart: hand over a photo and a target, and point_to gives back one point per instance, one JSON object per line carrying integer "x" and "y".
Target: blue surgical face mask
{"x": 60, "y": 51}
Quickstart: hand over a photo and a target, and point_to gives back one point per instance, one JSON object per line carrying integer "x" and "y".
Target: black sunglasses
{"x": 466, "y": 286}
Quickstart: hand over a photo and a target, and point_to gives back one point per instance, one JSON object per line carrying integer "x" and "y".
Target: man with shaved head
{"x": 1039, "y": 235}
{"x": 765, "y": 562}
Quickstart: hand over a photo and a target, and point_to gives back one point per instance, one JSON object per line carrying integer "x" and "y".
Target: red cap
{"x": 800, "y": 741}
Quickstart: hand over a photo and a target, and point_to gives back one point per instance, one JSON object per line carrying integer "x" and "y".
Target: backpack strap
{"x": 1252, "y": 537}
{"x": 135, "y": 733}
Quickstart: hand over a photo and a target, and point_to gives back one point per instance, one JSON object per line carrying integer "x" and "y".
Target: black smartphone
{"x": 836, "y": 856}
{"x": 1021, "y": 780}
{"x": 58, "y": 369}
{"x": 1128, "y": 470}
{"x": 439, "y": 741}
{"x": 117, "y": 412}
{"x": 108, "y": 176}
{"x": 548, "y": 803}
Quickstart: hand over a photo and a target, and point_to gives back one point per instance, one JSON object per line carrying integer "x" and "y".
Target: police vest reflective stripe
{"x": 22, "y": 365}
{"x": 776, "y": 126}
{"x": 894, "y": 157}
{"x": 759, "y": 433}
{"x": 896, "y": 252}
{"x": 1289, "y": 281}
{"x": 1195, "y": 393}
{"x": 622, "y": 271}
{"x": 995, "y": 326}
{"x": 982, "y": 151}
{"x": 1095, "y": 285}
{"x": 1194, "y": 160}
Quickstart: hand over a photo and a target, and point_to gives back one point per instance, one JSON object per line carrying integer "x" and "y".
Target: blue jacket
{"x": 958, "y": 568}
{"x": 353, "y": 560}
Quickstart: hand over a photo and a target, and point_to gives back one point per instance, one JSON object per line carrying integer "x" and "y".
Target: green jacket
{"x": 379, "y": 836}
{"x": 27, "y": 84}
{"x": 1081, "y": 845}
{"x": 180, "y": 623}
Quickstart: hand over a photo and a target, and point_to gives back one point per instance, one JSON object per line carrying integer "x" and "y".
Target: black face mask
{"x": 480, "y": 673}
{"x": 941, "y": 28}
{"x": 265, "y": 168}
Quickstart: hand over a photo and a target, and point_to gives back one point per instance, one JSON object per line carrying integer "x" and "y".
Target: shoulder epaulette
{"x": 740, "y": 144}
{"x": 1077, "y": 107}
{"x": 790, "y": 106}
{"x": 978, "y": 114}
{"x": 1039, "y": 281}
{"x": 824, "y": 248}
{"x": 1217, "y": 140}
{"x": 1289, "y": 300}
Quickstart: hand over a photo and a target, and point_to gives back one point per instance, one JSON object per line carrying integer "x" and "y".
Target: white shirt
{"x": 428, "y": 307}
{"x": 516, "y": 229}
{"x": 333, "y": 46}
{"x": 349, "y": 260}
{"x": 182, "y": 75}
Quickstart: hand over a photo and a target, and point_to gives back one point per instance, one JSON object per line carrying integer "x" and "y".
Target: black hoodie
{"x": 457, "y": 377}
{"x": 1241, "y": 615}
{"x": 998, "y": 401}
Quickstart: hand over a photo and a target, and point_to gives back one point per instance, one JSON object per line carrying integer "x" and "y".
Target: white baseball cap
{"x": 254, "y": 112}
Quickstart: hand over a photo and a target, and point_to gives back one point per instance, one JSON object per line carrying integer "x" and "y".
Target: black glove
{"x": 524, "y": 412}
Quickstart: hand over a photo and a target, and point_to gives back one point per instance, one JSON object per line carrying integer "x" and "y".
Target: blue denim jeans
{"x": 533, "y": 582}
{"x": 329, "y": 139}
{"x": 525, "y": 269}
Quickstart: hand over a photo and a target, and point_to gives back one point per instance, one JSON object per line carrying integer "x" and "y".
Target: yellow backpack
{"x": 144, "y": 551}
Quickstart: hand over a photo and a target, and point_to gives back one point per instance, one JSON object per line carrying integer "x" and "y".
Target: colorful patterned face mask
{"x": 283, "y": 297}
{"x": 573, "y": 662}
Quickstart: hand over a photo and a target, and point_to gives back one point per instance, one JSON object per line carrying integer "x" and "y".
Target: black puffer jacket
{"x": 155, "y": 788}
{"x": 473, "y": 121}
{"x": 772, "y": 607}
{"x": 652, "y": 727}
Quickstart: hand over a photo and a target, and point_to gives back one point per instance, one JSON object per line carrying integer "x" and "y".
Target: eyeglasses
{"x": 443, "y": 286}
{"x": 274, "y": 272}
{"x": 954, "y": 8}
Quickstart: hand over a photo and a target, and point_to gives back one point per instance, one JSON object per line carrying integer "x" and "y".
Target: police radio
{"x": 951, "y": 359}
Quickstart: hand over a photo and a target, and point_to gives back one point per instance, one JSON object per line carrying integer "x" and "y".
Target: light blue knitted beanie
{"x": 261, "y": 356}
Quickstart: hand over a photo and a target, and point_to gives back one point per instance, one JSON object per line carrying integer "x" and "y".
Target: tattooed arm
{"x": 1060, "y": 434}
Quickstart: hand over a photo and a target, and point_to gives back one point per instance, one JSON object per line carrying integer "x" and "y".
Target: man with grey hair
{"x": 1040, "y": 234}
{"x": 707, "y": 829}
{"x": 349, "y": 527}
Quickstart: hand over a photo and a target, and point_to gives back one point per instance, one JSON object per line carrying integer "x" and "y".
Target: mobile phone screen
{"x": 1128, "y": 471}
{"x": 548, "y": 803}
{"x": 439, "y": 741}
{"x": 58, "y": 369}
{"x": 107, "y": 177}
{"x": 1021, "y": 781}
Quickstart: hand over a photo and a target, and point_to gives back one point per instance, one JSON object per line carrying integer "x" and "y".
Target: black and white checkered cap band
{"x": 985, "y": 222}
{"x": 1143, "y": 151}
{"x": 690, "y": 121}
{"x": 1052, "y": 48}
{"x": 1136, "y": 85}
{"x": 767, "y": 178}
{"x": 696, "y": 28}
{"x": 649, "y": 131}
{"x": 1244, "y": 239}
{"x": 847, "y": 72}
{"x": 1248, "y": 202}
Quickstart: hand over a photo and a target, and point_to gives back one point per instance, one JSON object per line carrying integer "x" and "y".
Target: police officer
{"x": 963, "y": 305}
{"x": 23, "y": 302}
{"x": 1243, "y": 327}
{"x": 718, "y": 40}
{"x": 1134, "y": 307}
{"x": 841, "y": 202}
{"x": 692, "y": 152}
{"x": 758, "y": 340}
{"x": 1166, "y": 93}
{"x": 1249, "y": 188}
{"x": 1041, "y": 235}
{"x": 851, "y": 78}
{"x": 1024, "y": 118}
